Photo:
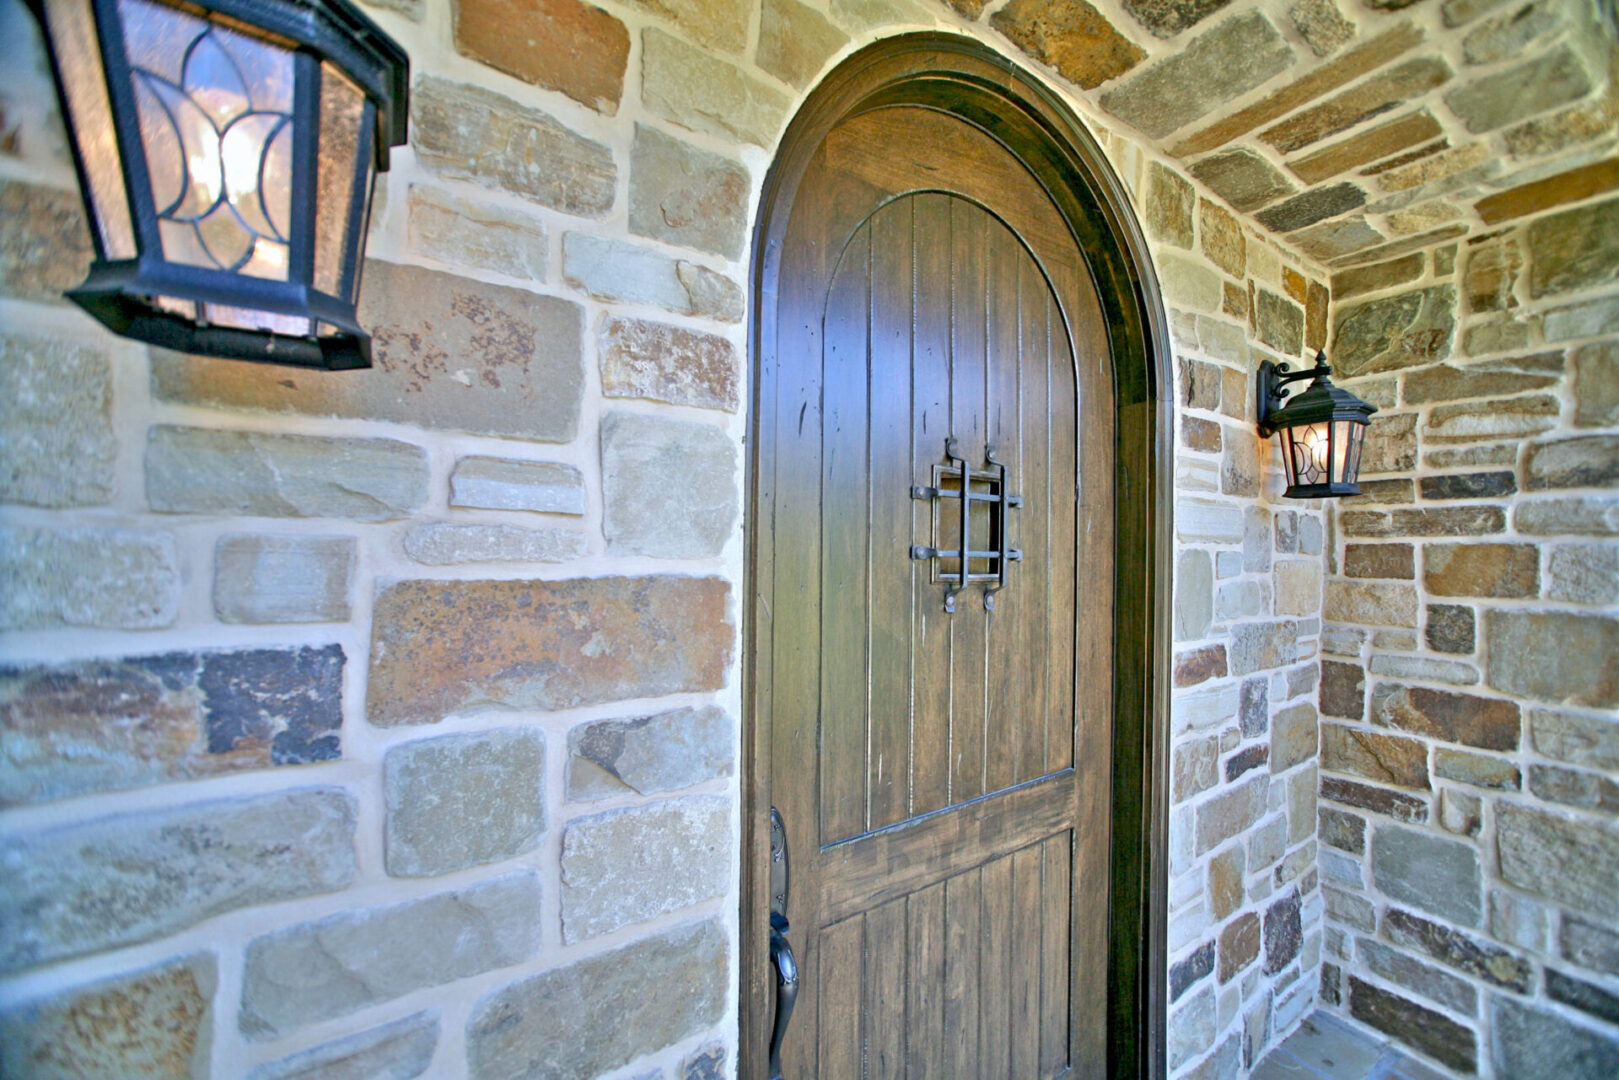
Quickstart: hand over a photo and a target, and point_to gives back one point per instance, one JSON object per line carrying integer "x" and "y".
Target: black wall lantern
{"x": 226, "y": 150}
{"x": 1321, "y": 430}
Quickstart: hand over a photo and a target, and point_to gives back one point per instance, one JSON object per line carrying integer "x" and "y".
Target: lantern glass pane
{"x": 215, "y": 107}
{"x": 240, "y": 318}
{"x": 77, "y": 49}
{"x": 1309, "y": 448}
{"x": 342, "y": 111}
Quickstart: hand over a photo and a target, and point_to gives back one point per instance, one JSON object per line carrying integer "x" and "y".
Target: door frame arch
{"x": 968, "y": 79}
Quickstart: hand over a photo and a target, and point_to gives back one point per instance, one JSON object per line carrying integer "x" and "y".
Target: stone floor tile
{"x": 1333, "y": 1047}
{"x": 1280, "y": 1065}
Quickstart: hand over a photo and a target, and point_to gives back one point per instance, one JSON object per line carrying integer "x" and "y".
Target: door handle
{"x": 781, "y": 950}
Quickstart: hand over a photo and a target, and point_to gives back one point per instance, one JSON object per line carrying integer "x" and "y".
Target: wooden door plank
{"x": 1055, "y": 899}
{"x": 995, "y": 974}
{"x": 1039, "y": 629}
{"x": 842, "y": 973}
{"x": 891, "y": 513}
{"x": 1025, "y": 961}
{"x": 963, "y": 940}
{"x": 1062, "y": 484}
{"x": 895, "y": 862}
{"x": 885, "y": 1007}
{"x": 1004, "y": 701}
{"x": 926, "y": 984}
{"x": 930, "y": 423}
{"x": 969, "y": 227}
{"x": 846, "y": 770}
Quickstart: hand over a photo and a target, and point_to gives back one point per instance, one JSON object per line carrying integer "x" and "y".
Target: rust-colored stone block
{"x": 1368, "y": 99}
{"x": 1379, "y": 561}
{"x": 1493, "y": 570}
{"x": 563, "y": 45}
{"x": 1239, "y": 945}
{"x": 1387, "y": 759}
{"x": 1487, "y": 723}
{"x": 441, "y": 646}
{"x": 1372, "y": 145}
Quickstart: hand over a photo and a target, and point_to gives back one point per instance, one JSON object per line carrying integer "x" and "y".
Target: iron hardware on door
{"x": 781, "y": 951}
{"x": 987, "y": 486}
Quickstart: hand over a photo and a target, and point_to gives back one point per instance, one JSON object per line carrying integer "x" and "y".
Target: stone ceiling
{"x": 1354, "y": 130}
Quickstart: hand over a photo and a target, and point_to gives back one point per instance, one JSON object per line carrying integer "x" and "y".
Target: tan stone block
{"x": 1375, "y": 278}
{"x": 1485, "y": 723}
{"x": 1316, "y": 305}
{"x": 1488, "y": 570}
{"x": 1390, "y": 444}
{"x": 1387, "y": 759}
{"x": 44, "y": 244}
{"x": 680, "y": 82}
{"x": 1510, "y": 418}
{"x": 1373, "y": 54}
{"x": 1596, "y": 385}
{"x": 1371, "y": 604}
{"x": 1379, "y": 561}
{"x": 155, "y": 1023}
{"x": 1226, "y": 872}
{"x": 795, "y": 41}
{"x": 1170, "y": 201}
{"x": 1239, "y": 945}
{"x": 1567, "y": 187}
{"x": 687, "y": 196}
{"x": 469, "y": 133}
{"x": 1491, "y": 379}
{"x": 57, "y": 446}
{"x": 1387, "y": 91}
{"x": 1321, "y": 25}
{"x": 642, "y": 359}
{"x": 564, "y": 45}
{"x": 1223, "y": 241}
{"x": 441, "y": 646}
{"x": 455, "y": 230}
{"x": 1368, "y": 146}
{"x": 715, "y": 24}
{"x": 1421, "y": 217}
{"x": 450, "y": 353}
{"x": 1560, "y": 130}
{"x": 1071, "y": 36}
{"x": 1529, "y": 654}
{"x": 1439, "y": 166}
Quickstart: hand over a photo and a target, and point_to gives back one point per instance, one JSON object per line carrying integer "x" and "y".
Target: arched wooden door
{"x": 933, "y": 652}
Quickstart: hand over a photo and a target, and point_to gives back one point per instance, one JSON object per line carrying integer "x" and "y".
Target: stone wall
{"x": 302, "y": 669}
{"x": 1470, "y": 682}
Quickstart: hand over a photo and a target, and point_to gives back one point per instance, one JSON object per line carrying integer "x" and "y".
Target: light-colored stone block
{"x": 625, "y": 866}
{"x": 462, "y": 800}
{"x": 696, "y": 90}
{"x": 114, "y": 578}
{"x": 283, "y": 579}
{"x": 544, "y": 487}
{"x": 615, "y": 1007}
{"x": 643, "y": 359}
{"x": 668, "y": 486}
{"x": 477, "y": 235}
{"x": 56, "y": 441}
{"x": 440, "y": 543}
{"x": 141, "y": 875}
{"x": 320, "y": 970}
{"x": 616, "y": 271}
{"x": 649, "y": 754}
{"x": 401, "y": 1050}
{"x": 687, "y": 196}
{"x": 201, "y": 471}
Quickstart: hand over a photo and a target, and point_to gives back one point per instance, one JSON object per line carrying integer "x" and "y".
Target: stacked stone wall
{"x": 387, "y": 723}
{"x": 1470, "y": 677}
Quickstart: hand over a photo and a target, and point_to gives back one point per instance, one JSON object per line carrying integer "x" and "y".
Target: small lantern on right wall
{"x": 1321, "y": 430}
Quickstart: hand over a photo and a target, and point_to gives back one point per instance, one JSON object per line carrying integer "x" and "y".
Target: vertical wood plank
{"x": 891, "y": 511}
{"x": 969, "y": 687}
{"x": 1063, "y": 485}
{"x": 963, "y": 942}
{"x": 845, "y": 738}
{"x": 842, "y": 973}
{"x": 926, "y": 985}
{"x": 1037, "y": 627}
{"x": 932, "y": 752}
{"x": 1055, "y": 856}
{"x": 995, "y": 978}
{"x": 1011, "y": 645}
{"x": 885, "y": 1004}
{"x": 1025, "y": 961}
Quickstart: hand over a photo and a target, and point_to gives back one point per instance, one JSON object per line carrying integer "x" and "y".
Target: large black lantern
{"x": 226, "y": 150}
{"x": 1321, "y": 430}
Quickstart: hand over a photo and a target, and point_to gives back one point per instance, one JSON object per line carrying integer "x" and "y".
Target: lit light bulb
{"x": 1315, "y": 445}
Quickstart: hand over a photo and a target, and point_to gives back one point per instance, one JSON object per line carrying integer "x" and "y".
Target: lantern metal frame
{"x": 1344, "y": 414}
{"x": 122, "y": 292}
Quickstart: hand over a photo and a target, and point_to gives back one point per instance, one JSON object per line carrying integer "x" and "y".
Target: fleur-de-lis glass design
{"x": 215, "y": 108}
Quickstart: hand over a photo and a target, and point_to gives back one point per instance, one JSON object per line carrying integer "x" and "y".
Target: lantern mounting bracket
{"x": 1272, "y": 381}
